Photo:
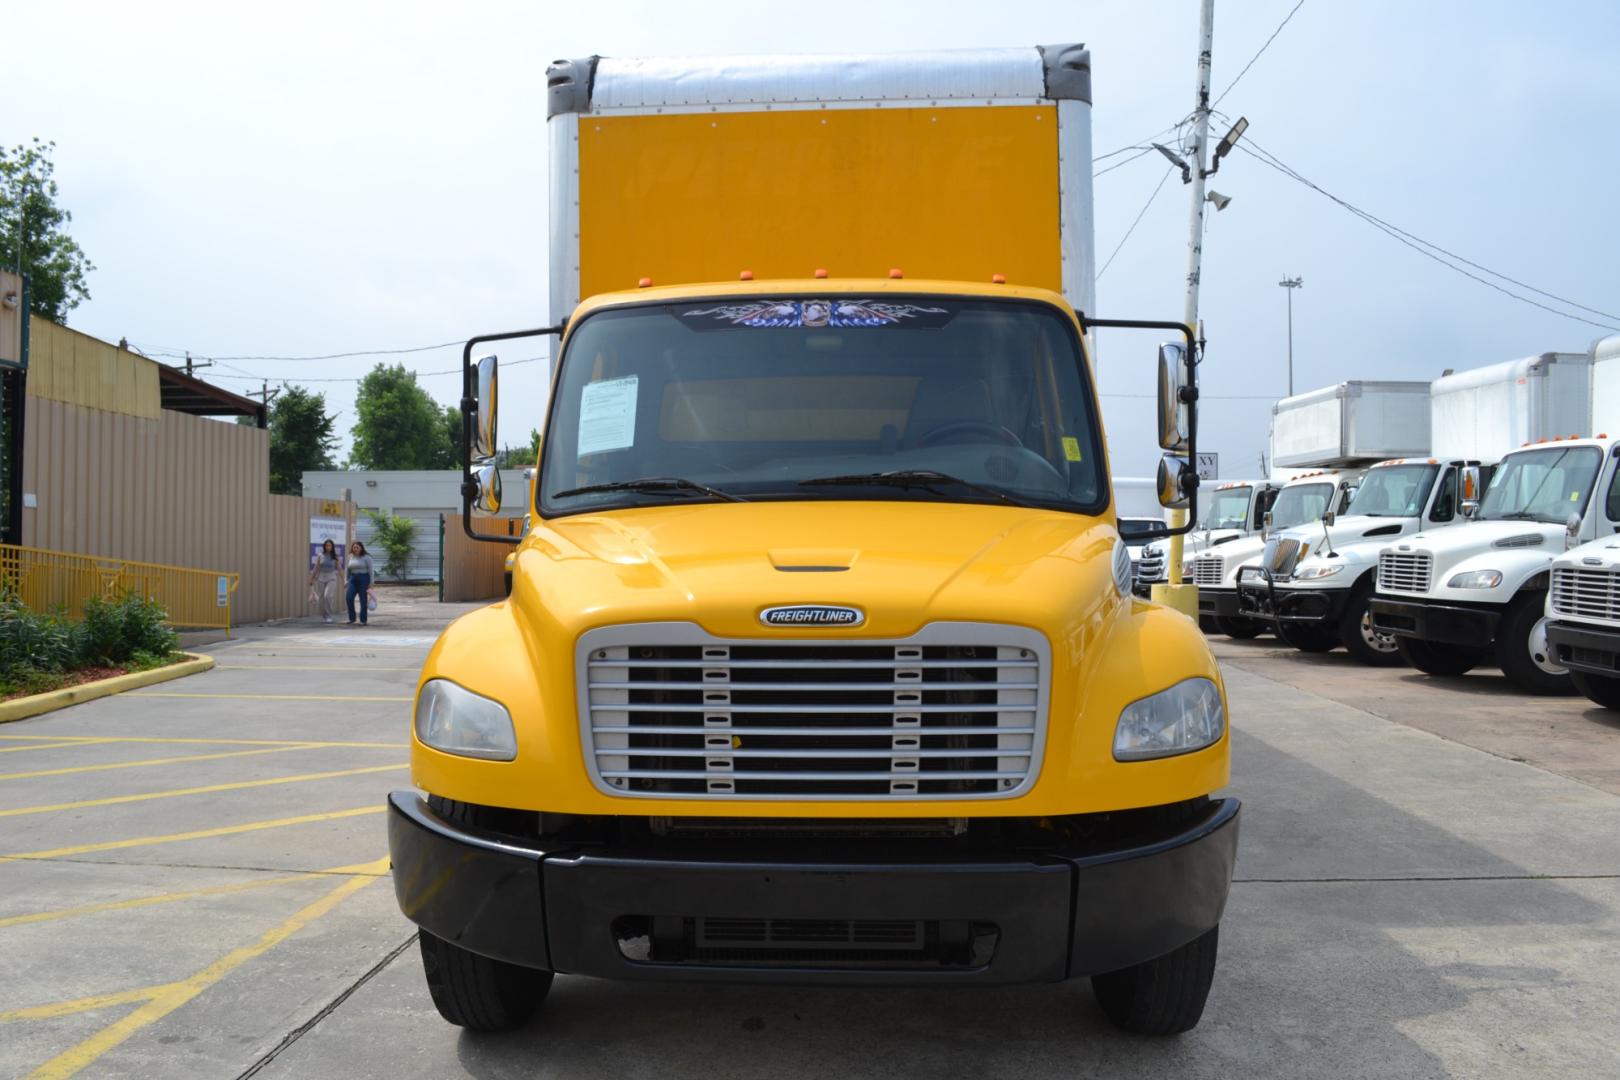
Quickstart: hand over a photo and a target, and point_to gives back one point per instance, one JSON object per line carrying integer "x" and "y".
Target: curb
{"x": 34, "y": 705}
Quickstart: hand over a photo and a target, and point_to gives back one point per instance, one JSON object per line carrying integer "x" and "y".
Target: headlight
{"x": 1320, "y": 570}
{"x": 458, "y": 721}
{"x": 1189, "y": 716}
{"x": 1476, "y": 579}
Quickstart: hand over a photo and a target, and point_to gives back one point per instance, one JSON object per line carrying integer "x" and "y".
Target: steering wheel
{"x": 995, "y": 432}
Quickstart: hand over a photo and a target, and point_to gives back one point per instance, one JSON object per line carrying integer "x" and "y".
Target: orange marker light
{"x": 644, "y": 283}
{"x": 894, "y": 272}
{"x": 821, "y": 272}
{"x": 998, "y": 279}
{"x": 746, "y": 275}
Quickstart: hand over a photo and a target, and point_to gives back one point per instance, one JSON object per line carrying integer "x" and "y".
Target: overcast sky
{"x": 299, "y": 179}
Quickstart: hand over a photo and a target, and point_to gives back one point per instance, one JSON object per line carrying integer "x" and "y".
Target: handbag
{"x": 371, "y": 600}
{"x": 314, "y": 597}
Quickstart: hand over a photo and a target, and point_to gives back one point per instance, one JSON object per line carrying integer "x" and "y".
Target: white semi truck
{"x": 1583, "y": 616}
{"x": 1237, "y": 509}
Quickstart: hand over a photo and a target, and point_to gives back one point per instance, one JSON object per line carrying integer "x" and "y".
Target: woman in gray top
{"x": 323, "y": 579}
{"x": 360, "y": 574}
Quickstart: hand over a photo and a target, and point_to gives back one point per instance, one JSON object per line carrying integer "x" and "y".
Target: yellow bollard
{"x": 1176, "y": 593}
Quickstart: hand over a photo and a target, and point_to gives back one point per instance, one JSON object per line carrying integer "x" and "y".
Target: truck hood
{"x": 1356, "y": 539}
{"x": 1477, "y": 537}
{"x": 1600, "y": 554}
{"x": 903, "y": 564}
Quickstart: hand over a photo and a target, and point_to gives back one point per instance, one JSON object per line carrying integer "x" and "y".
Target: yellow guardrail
{"x": 48, "y": 581}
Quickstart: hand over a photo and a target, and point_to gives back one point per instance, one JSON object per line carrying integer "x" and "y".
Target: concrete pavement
{"x": 1407, "y": 905}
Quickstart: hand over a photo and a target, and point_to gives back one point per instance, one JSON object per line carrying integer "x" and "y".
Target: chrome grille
{"x": 1208, "y": 570}
{"x": 1404, "y": 571}
{"x": 1150, "y": 567}
{"x": 958, "y": 710}
{"x": 1589, "y": 594}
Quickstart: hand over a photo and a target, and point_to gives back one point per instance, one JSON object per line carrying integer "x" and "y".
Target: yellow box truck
{"x": 821, "y": 663}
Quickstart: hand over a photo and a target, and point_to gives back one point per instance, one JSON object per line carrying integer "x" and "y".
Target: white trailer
{"x": 1605, "y": 384}
{"x": 1349, "y": 423}
{"x": 1480, "y": 413}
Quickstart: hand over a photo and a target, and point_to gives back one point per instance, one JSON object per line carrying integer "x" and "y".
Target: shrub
{"x": 117, "y": 629}
{"x": 35, "y": 642}
{"x": 396, "y": 536}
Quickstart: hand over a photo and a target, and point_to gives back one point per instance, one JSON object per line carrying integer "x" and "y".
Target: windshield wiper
{"x": 918, "y": 478}
{"x": 654, "y": 485}
{"x": 1516, "y": 515}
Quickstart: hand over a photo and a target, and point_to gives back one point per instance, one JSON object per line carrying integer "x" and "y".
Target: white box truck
{"x": 1350, "y": 423}
{"x": 1478, "y": 412}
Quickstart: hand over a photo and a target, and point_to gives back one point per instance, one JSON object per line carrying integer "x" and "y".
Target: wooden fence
{"x": 472, "y": 569}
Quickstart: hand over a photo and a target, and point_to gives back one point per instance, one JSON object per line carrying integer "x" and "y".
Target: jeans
{"x": 359, "y": 584}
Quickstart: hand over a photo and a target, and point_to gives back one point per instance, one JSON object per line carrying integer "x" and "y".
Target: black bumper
{"x": 603, "y": 912}
{"x": 1260, "y": 599}
{"x": 1221, "y": 603}
{"x": 1589, "y": 649}
{"x": 1446, "y": 624}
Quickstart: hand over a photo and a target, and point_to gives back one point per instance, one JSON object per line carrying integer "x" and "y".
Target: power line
{"x": 358, "y": 378}
{"x": 1262, "y": 49}
{"x": 1140, "y": 152}
{"x": 328, "y": 356}
{"x": 1135, "y": 223}
{"x": 1423, "y": 247}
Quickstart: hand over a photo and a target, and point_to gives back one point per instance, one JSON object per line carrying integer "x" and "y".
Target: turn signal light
{"x": 644, "y": 283}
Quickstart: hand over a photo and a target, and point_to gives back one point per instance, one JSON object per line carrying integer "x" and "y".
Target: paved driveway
{"x": 194, "y": 886}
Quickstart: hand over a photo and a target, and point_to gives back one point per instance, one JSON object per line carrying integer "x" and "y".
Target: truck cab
{"x": 1298, "y": 502}
{"x": 821, "y": 664}
{"x": 1235, "y": 509}
{"x": 1313, "y": 584}
{"x": 1474, "y": 593}
{"x": 1583, "y": 613}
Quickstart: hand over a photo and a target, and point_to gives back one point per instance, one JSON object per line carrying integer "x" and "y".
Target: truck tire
{"x": 1360, "y": 639}
{"x": 1206, "y": 623}
{"x": 1239, "y": 628}
{"x": 478, "y": 993}
{"x": 1164, "y": 996}
{"x": 1522, "y": 650}
{"x": 1437, "y": 658}
{"x": 1309, "y": 637}
{"x": 1602, "y": 689}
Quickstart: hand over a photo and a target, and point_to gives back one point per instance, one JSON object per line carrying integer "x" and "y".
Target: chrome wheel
{"x": 1541, "y": 653}
{"x": 1375, "y": 640}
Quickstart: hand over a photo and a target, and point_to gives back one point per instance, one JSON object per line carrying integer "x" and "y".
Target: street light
{"x": 1291, "y": 283}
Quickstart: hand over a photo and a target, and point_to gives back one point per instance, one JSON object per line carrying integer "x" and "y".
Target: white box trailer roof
{"x": 1488, "y": 411}
{"x": 1606, "y": 386}
{"x": 1360, "y": 420}
{"x": 950, "y": 165}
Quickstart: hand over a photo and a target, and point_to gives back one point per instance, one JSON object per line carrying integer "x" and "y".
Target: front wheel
{"x": 1361, "y": 639}
{"x": 1239, "y": 628}
{"x": 1309, "y": 637}
{"x": 1437, "y": 658}
{"x": 1522, "y": 649}
{"x": 1164, "y": 996}
{"x": 478, "y": 993}
{"x": 1602, "y": 689}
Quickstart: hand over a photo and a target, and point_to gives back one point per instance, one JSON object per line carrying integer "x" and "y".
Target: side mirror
{"x": 1469, "y": 490}
{"x": 483, "y": 410}
{"x": 487, "y": 477}
{"x": 1330, "y": 517}
{"x": 1172, "y": 481}
{"x": 1265, "y": 526}
{"x": 1172, "y": 409}
{"x": 1572, "y": 531}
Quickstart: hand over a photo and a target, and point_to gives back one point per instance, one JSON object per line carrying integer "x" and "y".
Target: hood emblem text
{"x": 812, "y": 615}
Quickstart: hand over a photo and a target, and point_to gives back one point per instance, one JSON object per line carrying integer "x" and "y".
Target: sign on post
{"x": 322, "y": 529}
{"x": 1209, "y": 466}
{"x": 222, "y": 591}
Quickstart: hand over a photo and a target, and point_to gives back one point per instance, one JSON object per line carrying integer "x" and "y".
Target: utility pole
{"x": 1291, "y": 283}
{"x": 192, "y": 366}
{"x": 1195, "y": 252}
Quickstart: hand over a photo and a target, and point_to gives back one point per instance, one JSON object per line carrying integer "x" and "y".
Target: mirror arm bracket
{"x": 469, "y": 400}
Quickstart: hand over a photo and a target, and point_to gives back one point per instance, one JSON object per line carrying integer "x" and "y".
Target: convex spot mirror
{"x": 488, "y": 479}
{"x": 1172, "y": 482}
{"x": 484, "y": 404}
{"x": 1173, "y": 434}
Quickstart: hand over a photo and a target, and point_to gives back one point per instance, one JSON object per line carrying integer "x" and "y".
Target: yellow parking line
{"x": 196, "y": 834}
{"x": 84, "y": 740}
{"x": 85, "y": 1004}
{"x": 239, "y": 785}
{"x": 48, "y": 745}
{"x": 267, "y": 697}
{"x": 150, "y": 761}
{"x": 170, "y": 997}
{"x": 187, "y": 894}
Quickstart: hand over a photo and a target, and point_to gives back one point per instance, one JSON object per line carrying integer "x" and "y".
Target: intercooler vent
{"x": 714, "y": 941}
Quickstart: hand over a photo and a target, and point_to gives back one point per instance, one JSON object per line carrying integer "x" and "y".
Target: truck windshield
{"x": 1301, "y": 505}
{"x": 898, "y": 398}
{"x": 1394, "y": 491}
{"x": 1541, "y": 485}
{"x": 1229, "y": 509}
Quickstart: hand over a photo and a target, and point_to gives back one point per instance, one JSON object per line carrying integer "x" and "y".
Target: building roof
{"x": 184, "y": 393}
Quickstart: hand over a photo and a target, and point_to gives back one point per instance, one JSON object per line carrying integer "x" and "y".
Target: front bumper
{"x": 1593, "y": 650}
{"x": 1220, "y": 603}
{"x": 1261, "y": 598}
{"x": 596, "y": 910}
{"x": 1446, "y": 624}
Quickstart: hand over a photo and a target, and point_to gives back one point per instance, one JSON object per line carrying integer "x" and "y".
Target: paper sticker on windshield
{"x": 815, "y": 313}
{"x": 1071, "y": 448}
{"x": 607, "y": 416}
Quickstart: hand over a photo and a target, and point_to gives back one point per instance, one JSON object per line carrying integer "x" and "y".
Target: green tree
{"x": 396, "y": 536}
{"x": 451, "y": 448}
{"x": 521, "y": 457}
{"x": 398, "y": 425}
{"x": 301, "y": 438}
{"x": 33, "y": 232}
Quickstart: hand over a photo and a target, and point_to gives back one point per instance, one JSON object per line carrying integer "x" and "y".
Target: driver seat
{"x": 944, "y": 401}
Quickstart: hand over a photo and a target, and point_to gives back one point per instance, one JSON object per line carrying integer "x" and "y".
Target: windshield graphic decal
{"x": 817, "y": 313}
